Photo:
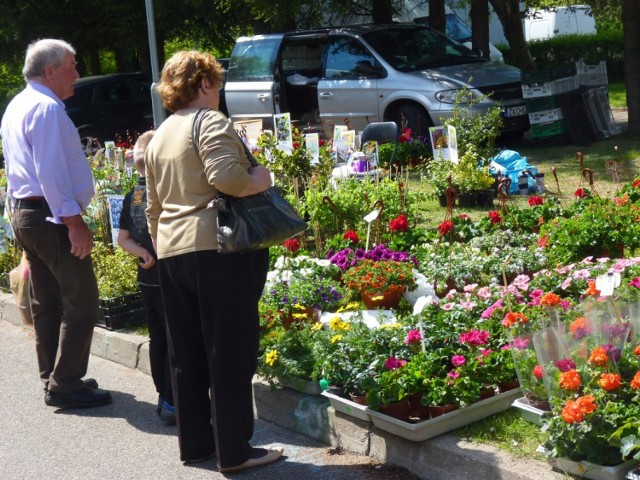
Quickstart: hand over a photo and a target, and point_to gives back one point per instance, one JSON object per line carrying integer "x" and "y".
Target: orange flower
{"x": 543, "y": 241}
{"x": 610, "y": 381}
{"x": 635, "y": 383}
{"x": 550, "y": 300}
{"x": 592, "y": 290}
{"x": 512, "y": 318}
{"x": 574, "y": 411}
{"x": 599, "y": 357}
{"x": 570, "y": 380}
{"x": 636, "y": 351}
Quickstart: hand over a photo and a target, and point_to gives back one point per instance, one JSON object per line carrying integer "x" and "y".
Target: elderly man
{"x": 49, "y": 185}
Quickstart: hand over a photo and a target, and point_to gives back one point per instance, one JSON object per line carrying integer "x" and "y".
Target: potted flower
{"x": 381, "y": 283}
{"x": 388, "y": 392}
{"x": 287, "y": 357}
{"x": 473, "y": 180}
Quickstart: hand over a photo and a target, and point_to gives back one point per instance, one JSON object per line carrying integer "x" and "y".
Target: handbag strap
{"x": 196, "y": 126}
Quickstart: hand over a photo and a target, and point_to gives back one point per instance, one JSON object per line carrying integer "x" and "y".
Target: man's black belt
{"x": 32, "y": 203}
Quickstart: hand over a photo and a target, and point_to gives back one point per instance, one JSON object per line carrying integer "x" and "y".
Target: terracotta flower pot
{"x": 506, "y": 386}
{"x": 416, "y": 407}
{"x": 386, "y": 300}
{"x": 306, "y": 315}
{"x": 399, "y": 410}
{"x": 359, "y": 399}
{"x": 437, "y": 410}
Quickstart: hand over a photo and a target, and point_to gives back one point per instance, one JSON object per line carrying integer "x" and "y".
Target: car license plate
{"x": 515, "y": 111}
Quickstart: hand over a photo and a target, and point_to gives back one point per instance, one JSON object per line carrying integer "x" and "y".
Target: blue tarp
{"x": 511, "y": 164}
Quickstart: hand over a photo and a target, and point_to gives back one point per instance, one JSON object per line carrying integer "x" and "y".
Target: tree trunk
{"x": 437, "y": 20}
{"x": 382, "y": 11}
{"x": 631, "y": 40}
{"x": 508, "y": 12}
{"x": 480, "y": 26}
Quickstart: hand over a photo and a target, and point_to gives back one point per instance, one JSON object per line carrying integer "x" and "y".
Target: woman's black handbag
{"x": 252, "y": 222}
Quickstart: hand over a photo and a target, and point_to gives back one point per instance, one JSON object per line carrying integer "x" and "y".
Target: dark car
{"x": 105, "y": 107}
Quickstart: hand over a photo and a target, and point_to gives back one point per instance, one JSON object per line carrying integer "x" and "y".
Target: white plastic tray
{"x": 529, "y": 413}
{"x": 348, "y": 407}
{"x": 593, "y": 471}
{"x": 418, "y": 432}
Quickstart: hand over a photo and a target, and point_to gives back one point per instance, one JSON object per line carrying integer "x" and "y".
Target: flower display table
{"x": 347, "y": 406}
{"x": 418, "y": 432}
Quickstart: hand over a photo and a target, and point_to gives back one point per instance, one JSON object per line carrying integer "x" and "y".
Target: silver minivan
{"x": 401, "y": 72}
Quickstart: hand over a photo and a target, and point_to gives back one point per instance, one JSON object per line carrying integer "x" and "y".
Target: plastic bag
{"x": 19, "y": 282}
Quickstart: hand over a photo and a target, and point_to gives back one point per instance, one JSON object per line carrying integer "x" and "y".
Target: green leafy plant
{"x": 115, "y": 270}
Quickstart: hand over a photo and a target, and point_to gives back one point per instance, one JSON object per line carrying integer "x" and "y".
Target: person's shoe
{"x": 91, "y": 383}
{"x": 167, "y": 414}
{"x": 204, "y": 458}
{"x": 82, "y": 398}
{"x": 259, "y": 456}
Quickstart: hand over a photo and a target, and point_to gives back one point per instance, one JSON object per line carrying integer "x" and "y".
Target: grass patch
{"x": 506, "y": 431}
{"x": 617, "y": 95}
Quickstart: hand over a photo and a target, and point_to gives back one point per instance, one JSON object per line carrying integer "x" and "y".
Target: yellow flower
{"x": 316, "y": 326}
{"x": 336, "y": 338}
{"x": 389, "y": 326}
{"x": 272, "y": 358}
{"x": 350, "y": 306}
{"x": 334, "y": 323}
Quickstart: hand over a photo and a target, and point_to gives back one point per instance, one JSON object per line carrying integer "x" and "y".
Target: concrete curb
{"x": 445, "y": 457}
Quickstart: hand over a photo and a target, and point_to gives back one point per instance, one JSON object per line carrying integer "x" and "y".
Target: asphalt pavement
{"x": 126, "y": 440}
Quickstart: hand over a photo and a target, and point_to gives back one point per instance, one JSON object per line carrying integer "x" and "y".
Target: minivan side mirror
{"x": 364, "y": 67}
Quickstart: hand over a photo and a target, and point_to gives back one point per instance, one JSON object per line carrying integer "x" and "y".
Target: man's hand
{"x": 79, "y": 235}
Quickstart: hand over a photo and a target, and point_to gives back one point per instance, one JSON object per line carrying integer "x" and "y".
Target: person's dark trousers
{"x": 158, "y": 346}
{"x": 211, "y": 302}
{"x": 64, "y": 299}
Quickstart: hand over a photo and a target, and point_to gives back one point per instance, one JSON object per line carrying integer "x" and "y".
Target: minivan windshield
{"x": 409, "y": 48}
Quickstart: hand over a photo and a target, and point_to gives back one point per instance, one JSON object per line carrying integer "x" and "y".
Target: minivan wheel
{"x": 414, "y": 117}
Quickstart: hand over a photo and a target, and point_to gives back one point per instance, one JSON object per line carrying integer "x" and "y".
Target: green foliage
{"x": 476, "y": 132}
{"x": 471, "y": 173}
{"x": 115, "y": 270}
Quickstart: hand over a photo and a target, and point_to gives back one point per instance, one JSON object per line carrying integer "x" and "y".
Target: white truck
{"x": 548, "y": 23}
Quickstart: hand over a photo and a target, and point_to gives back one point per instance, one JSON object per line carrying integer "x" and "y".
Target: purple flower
{"x": 565, "y": 364}
{"x": 613, "y": 352}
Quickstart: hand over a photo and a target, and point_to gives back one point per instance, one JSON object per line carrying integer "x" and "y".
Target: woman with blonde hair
{"x": 211, "y": 299}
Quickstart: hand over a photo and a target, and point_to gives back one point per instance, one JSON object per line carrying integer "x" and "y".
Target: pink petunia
{"x": 458, "y": 360}
{"x": 413, "y": 337}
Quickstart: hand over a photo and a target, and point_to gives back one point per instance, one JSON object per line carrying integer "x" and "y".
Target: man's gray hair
{"x": 42, "y": 53}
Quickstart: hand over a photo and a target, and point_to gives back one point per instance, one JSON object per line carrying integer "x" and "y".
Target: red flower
{"x": 580, "y": 193}
{"x": 535, "y": 200}
{"x": 405, "y": 136}
{"x": 445, "y": 227}
{"x": 464, "y": 216}
{"x": 494, "y": 216}
{"x": 543, "y": 241}
{"x": 399, "y": 224}
{"x": 352, "y": 236}
{"x": 537, "y": 371}
{"x": 292, "y": 245}
{"x": 636, "y": 183}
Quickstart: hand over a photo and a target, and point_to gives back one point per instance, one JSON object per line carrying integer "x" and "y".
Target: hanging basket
{"x": 387, "y": 300}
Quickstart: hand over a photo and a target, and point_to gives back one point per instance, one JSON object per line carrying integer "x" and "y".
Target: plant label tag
{"x": 422, "y": 302}
{"x": 370, "y": 217}
{"x": 607, "y": 283}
